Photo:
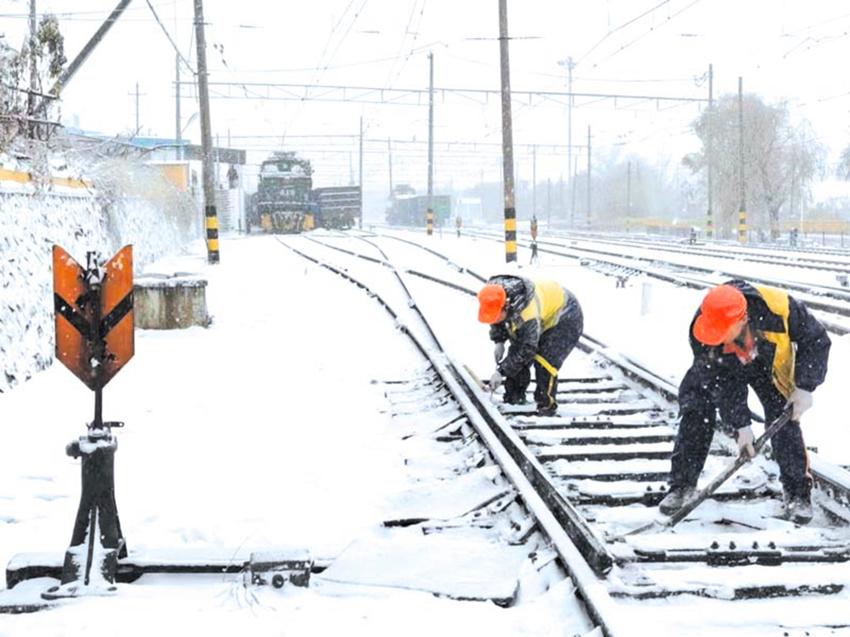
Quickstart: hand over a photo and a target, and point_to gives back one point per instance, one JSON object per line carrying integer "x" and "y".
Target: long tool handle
{"x": 698, "y": 498}
{"x": 477, "y": 380}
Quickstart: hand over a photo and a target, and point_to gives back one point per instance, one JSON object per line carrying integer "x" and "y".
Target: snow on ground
{"x": 265, "y": 430}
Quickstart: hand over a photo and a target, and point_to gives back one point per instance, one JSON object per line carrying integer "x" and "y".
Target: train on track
{"x": 286, "y": 202}
{"x": 406, "y": 208}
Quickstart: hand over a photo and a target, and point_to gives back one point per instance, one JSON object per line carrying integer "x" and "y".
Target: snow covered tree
{"x": 843, "y": 169}
{"x": 17, "y": 105}
{"x": 780, "y": 160}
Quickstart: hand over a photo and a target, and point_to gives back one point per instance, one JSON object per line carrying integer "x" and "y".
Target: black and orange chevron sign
{"x": 93, "y": 311}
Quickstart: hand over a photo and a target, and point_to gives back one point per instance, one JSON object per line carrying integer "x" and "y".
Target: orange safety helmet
{"x": 722, "y": 307}
{"x": 492, "y": 299}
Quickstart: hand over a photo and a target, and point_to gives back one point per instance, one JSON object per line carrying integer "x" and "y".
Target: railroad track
{"x": 838, "y": 266}
{"x": 597, "y": 470}
{"x": 807, "y": 253}
{"x": 831, "y": 304}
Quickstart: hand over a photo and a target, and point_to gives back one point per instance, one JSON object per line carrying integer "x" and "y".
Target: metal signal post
{"x": 94, "y": 339}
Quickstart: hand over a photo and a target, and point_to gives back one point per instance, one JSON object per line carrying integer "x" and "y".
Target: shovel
{"x": 700, "y": 496}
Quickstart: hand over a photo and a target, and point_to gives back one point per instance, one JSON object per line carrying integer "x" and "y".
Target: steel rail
{"x": 832, "y": 479}
{"x": 835, "y": 481}
{"x": 703, "y": 250}
{"x": 811, "y": 299}
{"x": 838, "y": 293}
{"x": 582, "y": 552}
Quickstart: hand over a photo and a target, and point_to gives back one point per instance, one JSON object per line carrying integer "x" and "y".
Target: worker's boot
{"x": 798, "y": 509}
{"x": 674, "y": 500}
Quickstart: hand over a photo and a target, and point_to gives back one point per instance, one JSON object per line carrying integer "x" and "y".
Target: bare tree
{"x": 843, "y": 169}
{"x": 49, "y": 53}
{"x": 780, "y": 160}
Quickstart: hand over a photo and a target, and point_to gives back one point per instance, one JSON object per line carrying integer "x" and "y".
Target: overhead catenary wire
{"x": 651, "y": 31}
{"x": 619, "y": 28}
{"x": 170, "y": 39}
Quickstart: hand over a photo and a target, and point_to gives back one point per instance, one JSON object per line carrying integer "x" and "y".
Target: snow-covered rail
{"x": 830, "y": 302}
{"x": 597, "y": 470}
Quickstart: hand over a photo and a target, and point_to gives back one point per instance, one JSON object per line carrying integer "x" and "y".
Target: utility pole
{"x": 742, "y": 210}
{"x": 31, "y": 102}
{"x": 360, "y": 177}
{"x": 507, "y": 136}
{"x": 84, "y": 53}
{"x": 136, "y": 94}
{"x": 570, "y": 66}
{"x": 709, "y": 222}
{"x": 178, "y": 128}
{"x": 390, "y": 153}
{"x": 210, "y": 216}
{"x": 588, "y": 177}
{"x": 534, "y": 181}
{"x": 573, "y": 193}
{"x": 561, "y": 196}
{"x": 429, "y": 216}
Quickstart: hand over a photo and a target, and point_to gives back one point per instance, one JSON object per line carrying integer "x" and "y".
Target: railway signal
{"x": 93, "y": 315}
{"x": 94, "y": 339}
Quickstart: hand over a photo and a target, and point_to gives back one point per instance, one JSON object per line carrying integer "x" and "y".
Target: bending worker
{"x": 746, "y": 336}
{"x": 543, "y": 322}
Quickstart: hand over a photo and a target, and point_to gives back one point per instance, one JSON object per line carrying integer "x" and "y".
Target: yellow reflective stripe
{"x": 212, "y": 223}
{"x": 510, "y": 224}
{"x": 212, "y": 245}
{"x": 783, "y": 356}
{"x": 552, "y": 302}
{"x": 510, "y": 247}
{"x": 546, "y": 365}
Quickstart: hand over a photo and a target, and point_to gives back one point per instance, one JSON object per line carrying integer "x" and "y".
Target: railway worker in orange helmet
{"x": 749, "y": 336}
{"x": 542, "y": 321}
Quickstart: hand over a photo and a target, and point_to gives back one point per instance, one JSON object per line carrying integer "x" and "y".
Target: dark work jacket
{"x": 793, "y": 349}
{"x": 532, "y": 309}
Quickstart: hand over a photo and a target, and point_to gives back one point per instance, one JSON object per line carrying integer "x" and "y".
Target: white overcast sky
{"x": 784, "y": 49}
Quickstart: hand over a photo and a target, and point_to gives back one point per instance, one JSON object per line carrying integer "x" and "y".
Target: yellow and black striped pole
{"x": 742, "y": 226}
{"x": 208, "y": 169}
{"x": 429, "y": 222}
{"x": 507, "y": 136}
{"x": 510, "y": 235}
{"x": 211, "y": 222}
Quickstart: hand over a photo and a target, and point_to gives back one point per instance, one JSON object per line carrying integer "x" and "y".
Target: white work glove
{"x": 495, "y": 381}
{"x": 800, "y": 401}
{"x": 745, "y": 441}
{"x": 499, "y": 352}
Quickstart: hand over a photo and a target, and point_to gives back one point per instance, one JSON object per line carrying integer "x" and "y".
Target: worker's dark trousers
{"x": 697, "y": 408}
{"x": 555, "y": 345}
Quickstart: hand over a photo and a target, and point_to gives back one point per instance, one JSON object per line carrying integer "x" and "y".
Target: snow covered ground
{"x": 267, "y": 430}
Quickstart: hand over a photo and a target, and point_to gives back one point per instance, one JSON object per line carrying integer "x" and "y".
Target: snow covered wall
{"x": 129, "y": 203}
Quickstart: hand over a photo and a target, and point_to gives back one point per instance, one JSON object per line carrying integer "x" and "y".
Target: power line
{"x": 377, "y": 94}
{"x": 168, "y": 35}
{"x": 622, "y": 26}
{"x": 651, "y": 31}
